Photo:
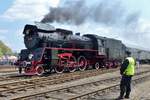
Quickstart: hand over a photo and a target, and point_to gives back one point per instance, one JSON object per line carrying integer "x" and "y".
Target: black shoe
{"x": 127, "y": 97}
{"x": 119, "y": 98}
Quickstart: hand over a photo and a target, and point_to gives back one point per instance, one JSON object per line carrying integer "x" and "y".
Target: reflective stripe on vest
{"x": 131, "y": 66}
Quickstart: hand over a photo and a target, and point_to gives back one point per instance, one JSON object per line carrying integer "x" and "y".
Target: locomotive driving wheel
{"x": 27, "y": 69}
{"x": 60, "y": 67}
{"x": 39, "y": 70}
{"x": 71, "y": 64}
{"x": 82, "y": 63}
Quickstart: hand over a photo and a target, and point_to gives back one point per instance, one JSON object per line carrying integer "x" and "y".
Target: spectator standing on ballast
{"x": 127, "y": 71}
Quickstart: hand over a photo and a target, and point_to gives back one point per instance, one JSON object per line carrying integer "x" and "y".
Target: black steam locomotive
{"x": 59, "y": 49}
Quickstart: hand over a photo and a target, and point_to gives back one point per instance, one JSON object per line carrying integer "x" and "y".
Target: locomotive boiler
{"x": 49, "y": 48}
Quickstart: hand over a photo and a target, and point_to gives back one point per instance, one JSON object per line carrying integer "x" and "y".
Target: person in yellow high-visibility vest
{"x": 127, "y": 71}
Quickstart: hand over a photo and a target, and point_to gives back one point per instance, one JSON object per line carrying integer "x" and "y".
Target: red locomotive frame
{"x": 68, "y": 60}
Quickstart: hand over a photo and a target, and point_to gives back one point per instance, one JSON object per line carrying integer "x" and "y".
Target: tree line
{"x": 4, "y": 49}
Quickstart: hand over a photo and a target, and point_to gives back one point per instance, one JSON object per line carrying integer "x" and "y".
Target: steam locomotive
{"x": 49, "y": 48}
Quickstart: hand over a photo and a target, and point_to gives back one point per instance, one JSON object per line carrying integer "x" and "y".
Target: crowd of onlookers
{"x": 8, "y": 60}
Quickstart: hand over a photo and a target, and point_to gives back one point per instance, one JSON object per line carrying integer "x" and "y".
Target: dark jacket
{"x": 124, "y": 66}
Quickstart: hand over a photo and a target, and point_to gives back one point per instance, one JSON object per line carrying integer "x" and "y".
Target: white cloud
{"x": 29, "y": 9}
{"x": 142, "y": 36}
{"x": 144, "y": 26}
{"x": 3, "y": 31}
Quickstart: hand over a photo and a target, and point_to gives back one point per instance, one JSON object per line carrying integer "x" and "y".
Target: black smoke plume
{"x": 77, "y": 12}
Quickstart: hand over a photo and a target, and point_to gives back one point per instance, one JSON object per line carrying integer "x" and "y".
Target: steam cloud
{"x": 103, "y": 12}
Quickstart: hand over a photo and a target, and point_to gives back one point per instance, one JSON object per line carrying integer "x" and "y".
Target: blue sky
{"x": 139, "y": 5}
{"x": 14, "y": 14}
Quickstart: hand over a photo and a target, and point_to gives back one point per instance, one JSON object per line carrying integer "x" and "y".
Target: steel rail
{"x": 49, "y": 81}
{"x": 65, "y": 88}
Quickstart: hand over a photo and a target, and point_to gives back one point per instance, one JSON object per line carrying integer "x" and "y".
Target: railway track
{"x": 17, "y": 86}
{"x": 106, "y": 89}
{"x": 7, "y": 69}
{"x": 81, "y": 90}
{"x": 12, "y": 77}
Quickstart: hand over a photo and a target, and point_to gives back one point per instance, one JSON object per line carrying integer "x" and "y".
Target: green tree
{"x": 5, "y": 49}
{"x": 1, "y": 54}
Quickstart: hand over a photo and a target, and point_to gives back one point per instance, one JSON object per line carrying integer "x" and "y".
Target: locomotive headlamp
{"x": 27, "y": 31}
{"x": 30, "y": 56}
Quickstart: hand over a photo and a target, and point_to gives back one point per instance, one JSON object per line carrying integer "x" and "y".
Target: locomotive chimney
{"x": 78, "y": 34}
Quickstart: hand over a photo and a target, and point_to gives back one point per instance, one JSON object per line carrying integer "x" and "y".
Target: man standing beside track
{"x": 127, "y": 71}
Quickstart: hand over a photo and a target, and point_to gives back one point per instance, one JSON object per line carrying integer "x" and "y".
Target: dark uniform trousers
{"x": 20, "y": 69}
{"x": 125, "y": 85}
